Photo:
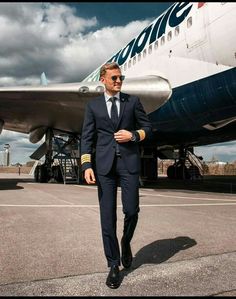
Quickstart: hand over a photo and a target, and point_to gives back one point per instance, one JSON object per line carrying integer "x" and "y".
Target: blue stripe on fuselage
{"x": 198, "y": 103}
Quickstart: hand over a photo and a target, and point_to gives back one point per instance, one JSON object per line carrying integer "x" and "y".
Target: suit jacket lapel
{"x": 104, "y": 107}
{"x": 123, "y": 101}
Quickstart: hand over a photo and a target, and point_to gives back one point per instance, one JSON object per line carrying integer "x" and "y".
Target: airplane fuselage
{"x": 193, "y": 45}
{"x": 190, "y": 47}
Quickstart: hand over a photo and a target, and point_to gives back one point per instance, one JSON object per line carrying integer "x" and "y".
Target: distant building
{"x": 4, "y": 158}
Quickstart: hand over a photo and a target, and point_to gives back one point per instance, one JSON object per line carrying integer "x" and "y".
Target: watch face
{"x": 133, "y": 137}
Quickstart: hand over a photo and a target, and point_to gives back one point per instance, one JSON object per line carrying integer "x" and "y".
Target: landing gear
{"x": 178, "y": 171}
{"x": 148, "y": 165}
{"x": 188, "y": 166}
{"x": 41, "y": 174}
{"x": 61, "y": 159}
{"x": 57, "y": 173}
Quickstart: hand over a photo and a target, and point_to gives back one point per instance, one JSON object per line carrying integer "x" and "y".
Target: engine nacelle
{"x": 37, "y": 134}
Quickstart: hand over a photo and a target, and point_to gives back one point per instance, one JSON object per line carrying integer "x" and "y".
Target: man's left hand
{"x": 123, "y": 136}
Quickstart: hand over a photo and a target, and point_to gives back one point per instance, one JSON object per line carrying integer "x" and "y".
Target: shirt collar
{"x": 107, "y": 96}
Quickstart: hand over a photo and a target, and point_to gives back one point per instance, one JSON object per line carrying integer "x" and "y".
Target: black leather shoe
{"x": 126, "y": 257}
{"x": 113, "y": 278}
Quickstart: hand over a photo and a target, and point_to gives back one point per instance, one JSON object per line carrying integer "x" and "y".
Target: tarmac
{"x": 184, "y": 243}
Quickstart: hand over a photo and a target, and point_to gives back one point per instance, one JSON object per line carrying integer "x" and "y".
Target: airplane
{"x": 182, "y": 66}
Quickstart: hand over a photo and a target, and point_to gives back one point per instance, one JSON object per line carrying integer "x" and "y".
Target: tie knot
{"x": 113, "y": 99}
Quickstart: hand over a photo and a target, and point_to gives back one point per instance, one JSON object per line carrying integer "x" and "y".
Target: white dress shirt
{"x": 109, "y": 103}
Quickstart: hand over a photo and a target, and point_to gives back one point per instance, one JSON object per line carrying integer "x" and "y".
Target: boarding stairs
{"x": 67, "y": 160}
{"x": 69, "y": 168}
{"x": 194, "y": 166}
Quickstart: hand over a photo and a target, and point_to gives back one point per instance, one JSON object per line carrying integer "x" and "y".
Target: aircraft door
{"x": 195, "y": 33}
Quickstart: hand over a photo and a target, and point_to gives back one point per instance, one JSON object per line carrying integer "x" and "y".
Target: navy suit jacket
{"x": 98, "y": 132}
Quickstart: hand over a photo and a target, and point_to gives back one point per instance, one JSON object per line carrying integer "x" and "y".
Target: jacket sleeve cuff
{"x": 86, "y": 161}
{"x": 141, "y": 134}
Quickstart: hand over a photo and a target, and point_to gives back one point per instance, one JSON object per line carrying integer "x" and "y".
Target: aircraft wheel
{"x": 171, "y": 172}
{"x": 36, "y": 174}
{"x": 56, "y": 170}
{"x": 182, "y": 172}
{"x": 194, "y": 172}
{"x": 42, "y": 174}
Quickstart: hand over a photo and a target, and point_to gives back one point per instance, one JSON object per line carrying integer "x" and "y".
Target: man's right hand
{"x": 89, "y": 176}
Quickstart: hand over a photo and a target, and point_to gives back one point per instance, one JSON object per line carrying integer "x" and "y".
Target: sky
{"x": 68, "y": 41}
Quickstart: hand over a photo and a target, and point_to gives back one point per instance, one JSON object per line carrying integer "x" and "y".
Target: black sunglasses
{"x": 114, "y": 78}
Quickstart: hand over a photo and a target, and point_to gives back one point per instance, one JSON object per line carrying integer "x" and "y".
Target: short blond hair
{"x": 108, "y": 66}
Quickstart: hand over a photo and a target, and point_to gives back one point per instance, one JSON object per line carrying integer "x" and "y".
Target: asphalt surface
{"x": 184, "y": 243}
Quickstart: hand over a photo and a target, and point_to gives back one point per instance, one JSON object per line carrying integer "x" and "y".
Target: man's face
{"x": 112, "y": 81}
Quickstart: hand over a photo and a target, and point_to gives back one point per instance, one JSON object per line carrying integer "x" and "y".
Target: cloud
{"x": 51, "y": 38}
{"x": 94, "y": 48}
{"x": 225, "y": 152}
{"x": 33, "y": 37}
{"x": 20, "y": 147}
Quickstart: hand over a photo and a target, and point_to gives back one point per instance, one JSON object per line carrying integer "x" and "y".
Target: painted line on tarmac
{"x": 187, "y": 197}
{"x": 120, "y": 206}
{"x": 171, "y": 196}
{"x": 51, "y": 206}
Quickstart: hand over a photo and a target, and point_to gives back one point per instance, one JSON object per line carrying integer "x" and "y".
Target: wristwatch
{"x": 133, "y": 138}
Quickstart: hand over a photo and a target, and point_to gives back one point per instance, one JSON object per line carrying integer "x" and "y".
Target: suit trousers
{"x": 107, "y": 194}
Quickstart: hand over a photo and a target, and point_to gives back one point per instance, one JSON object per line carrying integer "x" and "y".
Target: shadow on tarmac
{"x": 12, "y": 184}
{"x": 158, "y": 252}
{"x": 213, "y": 183}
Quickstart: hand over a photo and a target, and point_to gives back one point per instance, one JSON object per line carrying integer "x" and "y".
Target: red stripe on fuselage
{"x": 200, "y": 4}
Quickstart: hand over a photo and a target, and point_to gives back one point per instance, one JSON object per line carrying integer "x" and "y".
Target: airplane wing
{"x": 34, "y": 109}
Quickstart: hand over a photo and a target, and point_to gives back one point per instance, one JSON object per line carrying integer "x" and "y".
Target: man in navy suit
{"x": 114, "y": 124}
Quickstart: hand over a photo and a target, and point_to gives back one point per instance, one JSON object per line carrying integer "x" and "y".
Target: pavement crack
{"x": 224, "y": 293}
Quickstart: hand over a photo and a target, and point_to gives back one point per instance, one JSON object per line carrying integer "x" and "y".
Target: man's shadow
{"x": 10, "y": 184}
{"x": 158, "y": 252}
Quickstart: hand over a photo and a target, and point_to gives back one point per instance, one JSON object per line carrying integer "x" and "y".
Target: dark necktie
{"x": 114, "y": 112}
{"x": 114, "y": 119}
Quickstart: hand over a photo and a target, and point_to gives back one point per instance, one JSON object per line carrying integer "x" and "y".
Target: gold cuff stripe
{"x": 142, "y": 134}
{"x": 85, "y": 158}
